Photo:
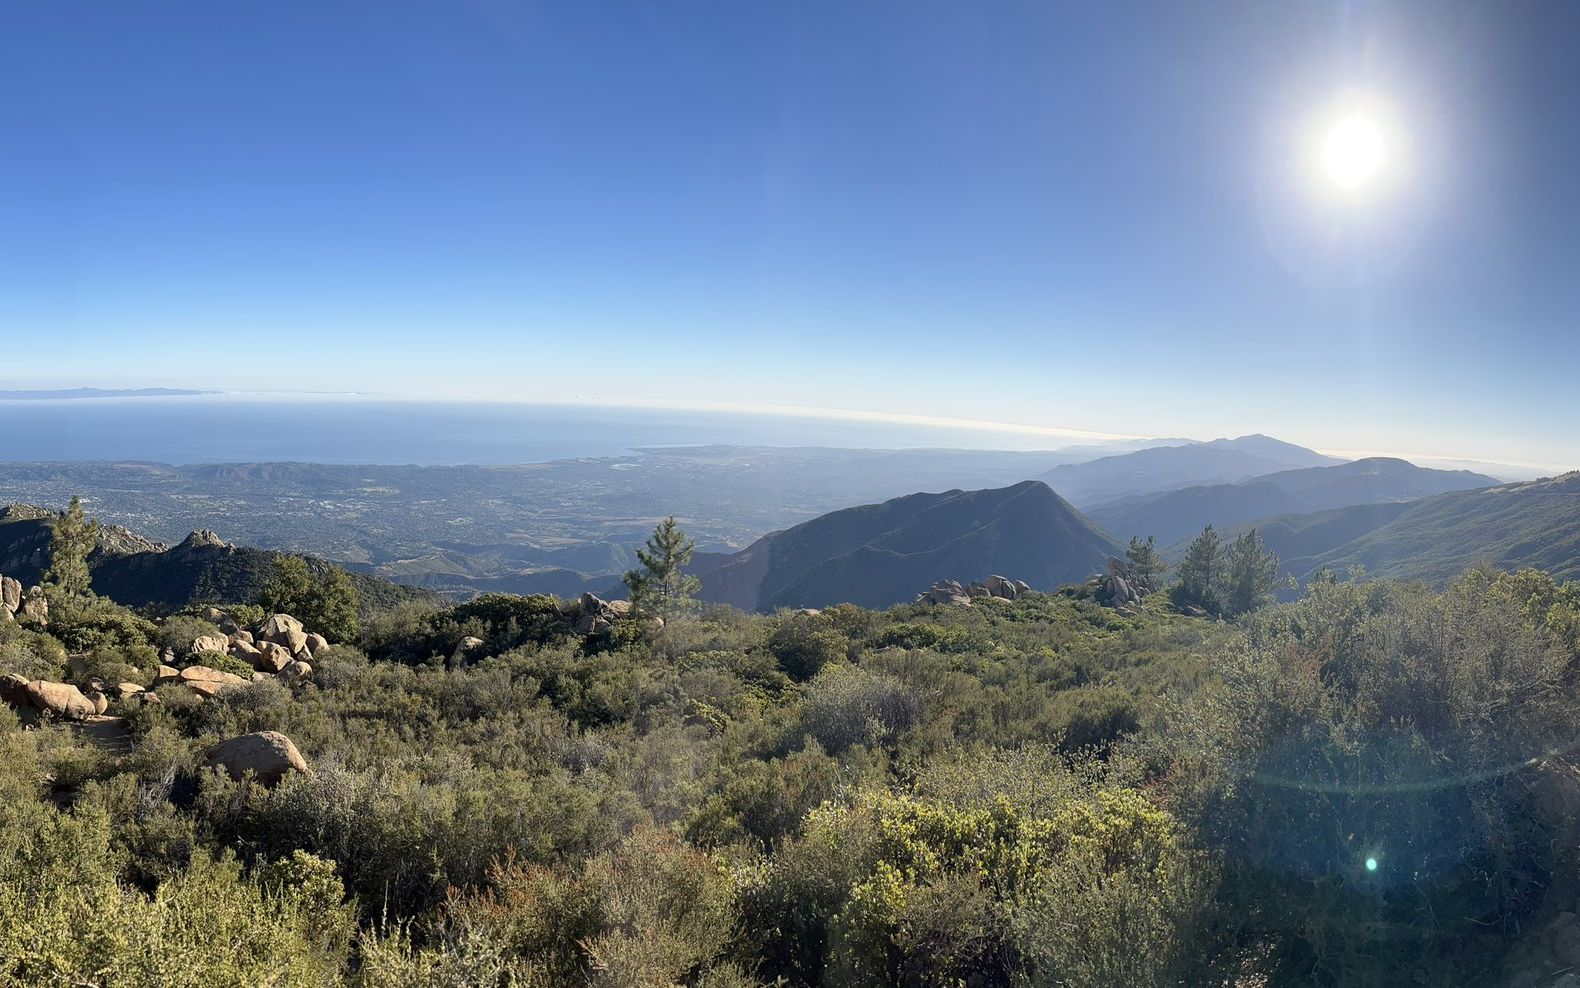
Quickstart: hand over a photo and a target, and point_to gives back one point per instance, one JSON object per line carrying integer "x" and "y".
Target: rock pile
{"x": 15, "y": 603}
{"x": 592, "y": 615}
{"x": 275, "y": 645}
{"x": 278, "y": 646}
{"x": 1119, "y": 587}
{"x": 951, "y": 593}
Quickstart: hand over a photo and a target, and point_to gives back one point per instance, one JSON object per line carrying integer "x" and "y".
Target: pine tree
{"x": 1250, "y": 574}
{"x": 1198, "y": 572}
{"x": 1143, "y": 561}
{"x": 71, "y": 540}
{"x": 662, "y": 586}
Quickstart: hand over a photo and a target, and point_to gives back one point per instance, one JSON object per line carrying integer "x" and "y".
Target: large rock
{"x": 278, "y": 624}
{"x": 464, "y": 651}
{"x": 241, "y": 635}
{"x": 203, "y": 674}
{"x": 998, "y": 586}
{"x": 294, "y": 642}
{"x": 247, "y": 652}
{"x": 35, "y": 606}
{"x": 209, "y": 643}
{"x": 272, "y": 657}
{"x": 100, "y": 702}
{"x": 269, "y": 755}
{"x": 316, "y": 643}
{"x": 10, "y": 594}
{"x": 60, "y": 699}
{"x": 947, "y": 592}
{"x": 166, "y": 674}
{"x": 297, "y": 672}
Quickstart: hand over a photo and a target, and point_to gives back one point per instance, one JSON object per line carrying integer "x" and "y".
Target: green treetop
{"x": 71, "y": 539}
{"x": 662, "y": 586}
{"x": 325, "y": 603}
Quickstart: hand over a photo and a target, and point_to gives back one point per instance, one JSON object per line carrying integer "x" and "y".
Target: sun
{"x": 1355, "y": 149}
{"x": 1354, "y": 152}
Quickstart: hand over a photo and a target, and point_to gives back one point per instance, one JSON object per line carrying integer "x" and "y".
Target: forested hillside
{"x": 1533, "y": 524}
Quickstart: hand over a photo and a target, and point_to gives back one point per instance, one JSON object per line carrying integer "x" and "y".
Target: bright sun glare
{"x": 1356, "y": 149}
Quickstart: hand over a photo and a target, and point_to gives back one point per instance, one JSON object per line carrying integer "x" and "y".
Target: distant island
{"x": 65, "y": 394}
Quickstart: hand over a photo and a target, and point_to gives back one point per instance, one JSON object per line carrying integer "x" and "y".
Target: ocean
{"x": 225, "y": 429}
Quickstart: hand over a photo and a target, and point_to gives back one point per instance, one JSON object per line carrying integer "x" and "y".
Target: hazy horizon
{"x": 185, "y": 429}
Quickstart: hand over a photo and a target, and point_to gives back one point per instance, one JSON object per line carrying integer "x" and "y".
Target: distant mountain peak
{"x": 202, "y": 537}
{"x": 1165, "y": 468}
{"x": 875, "y": 555}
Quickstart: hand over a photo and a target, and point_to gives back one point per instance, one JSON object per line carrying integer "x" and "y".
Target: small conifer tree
{"x": 71, "y": 540}
{"x": 662, "y": 586}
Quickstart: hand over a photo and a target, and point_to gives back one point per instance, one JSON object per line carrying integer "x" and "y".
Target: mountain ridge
{"x": 1174, "y": 515}
{"x": 139, "y": 572}
{"x": 1163, "y": 468}
{"x": 885, "y": 553}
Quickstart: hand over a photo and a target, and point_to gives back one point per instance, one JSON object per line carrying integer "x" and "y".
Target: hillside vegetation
{"x": 1534, "y": 524}
{"x": 1368, "y": 786}
{"x": 1174, "y": 515}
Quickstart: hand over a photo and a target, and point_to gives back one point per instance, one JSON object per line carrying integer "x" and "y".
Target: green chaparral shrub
{"x": 1370, "y": 763}
{"x": 86, "y": 624}
{"x": 848, "y": 704}
{"x": 323, "y": 599}
{"x": 31, "y": 654}
{"x": 178, "y": 632}
{"x": 1094, "y": 716}
{"x": 120, "y": 664}
{"x": 1027, "y": 792}
{"x": 804, "y": 644}
{"x": 897, "y": 889}
{"x": 651, "y": 911}
{"x": 66, "y": 919}
{"x": 415, "y": 633}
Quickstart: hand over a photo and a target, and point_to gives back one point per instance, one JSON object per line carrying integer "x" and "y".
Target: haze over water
{"x": 227, "y": 430}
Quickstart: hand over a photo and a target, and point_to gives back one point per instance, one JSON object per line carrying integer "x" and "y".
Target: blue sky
{"x": 1091, "y": 216}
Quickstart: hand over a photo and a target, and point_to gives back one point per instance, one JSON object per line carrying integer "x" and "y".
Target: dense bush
{"x": 1031, "y": 792}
